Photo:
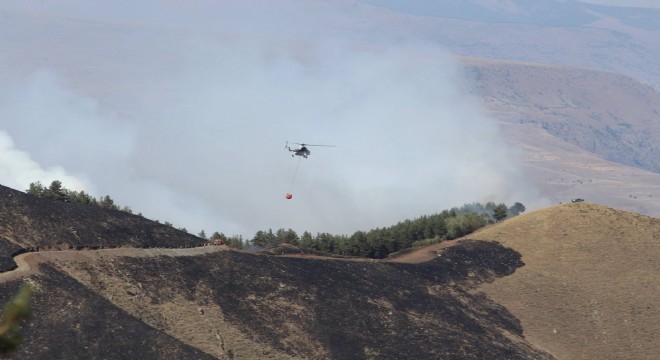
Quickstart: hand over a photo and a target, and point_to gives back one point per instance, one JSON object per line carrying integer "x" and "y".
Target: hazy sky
{"x": 185, "y": 121}
{"x": 634, "y": 3}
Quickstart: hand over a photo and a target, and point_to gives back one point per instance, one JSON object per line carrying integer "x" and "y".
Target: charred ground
{"x": 232, "y": 304}
{"x": 71, "y": 321}
{"x": 32, "y": 224}
{"x": 329, "y": 308}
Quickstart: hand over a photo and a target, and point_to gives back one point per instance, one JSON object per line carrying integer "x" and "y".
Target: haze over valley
{"x": 492, "y": 188}
{"x": 132, "y": 102}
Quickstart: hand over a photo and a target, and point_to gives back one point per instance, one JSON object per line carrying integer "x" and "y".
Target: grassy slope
{"x": 589, "y": 287}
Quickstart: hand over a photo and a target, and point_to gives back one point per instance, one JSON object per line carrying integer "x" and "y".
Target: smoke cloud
{"x": 189, "y": 126}
{"x": 18, "y": 170}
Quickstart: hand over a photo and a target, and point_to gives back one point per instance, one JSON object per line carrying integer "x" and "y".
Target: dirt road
{"x": 27, "y": 262}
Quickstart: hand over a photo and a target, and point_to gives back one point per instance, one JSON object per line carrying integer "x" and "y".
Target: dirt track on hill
{"x": 423, "y": 254}
{"x": 27, "y": 262}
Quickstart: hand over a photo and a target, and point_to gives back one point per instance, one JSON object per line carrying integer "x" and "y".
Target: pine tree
{"x": 55, "y": 191}
{"x": 260, "y": 239}
{"x": 516, "y": 209}
{"x": 36, "y": 189}
{"x": 499, "y": 212}
{"x": 306, "y": 240}
{"x": 107, "y": 203}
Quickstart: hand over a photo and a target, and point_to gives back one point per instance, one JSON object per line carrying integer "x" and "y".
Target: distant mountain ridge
{"x": 624, "y": 40}
{"x": 533, "y": 12}
{"x": 575, "y": 142}
{"x": 620, "y": 127}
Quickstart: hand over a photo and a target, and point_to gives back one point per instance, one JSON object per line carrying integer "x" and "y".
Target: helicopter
{"x": 302, "y": 150}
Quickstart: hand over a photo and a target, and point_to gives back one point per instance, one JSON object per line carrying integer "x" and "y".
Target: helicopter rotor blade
{"x": 301, "y": 144}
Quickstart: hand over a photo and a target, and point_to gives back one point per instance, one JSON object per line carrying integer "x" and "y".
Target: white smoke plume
{"x": 189, "y": 126}
{"x": 18, "y": 170}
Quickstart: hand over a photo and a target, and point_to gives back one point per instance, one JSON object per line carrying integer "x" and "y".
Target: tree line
{"x": 380, "y": 242}
{"x": 376, "y": 243}
{"x": 58, "y": 192}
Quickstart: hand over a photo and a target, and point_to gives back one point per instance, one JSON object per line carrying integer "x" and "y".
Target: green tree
{"x": 219, "y": 236}
{"x": 291, "y": 237}
{"x": 36, "y": 189}
{"x": 261, "y": 239}
{"x": 56, "y": 191}
{"x": 306, "y": 240}
{"x": 81, "y": 198}
{"x": 325, "y": 242}
{"x": 272, "y": 239}
{"x": 455, "y": 227}
{"x": 499, "y": 212}
{"x": 464, "y": 224}
{"x": 516, "y": 209}
{"x": 286, "y": 237}
{"x": 106, "y": 202}
{"x": 358, "y": 244}
{"x": 377, "y": 240}
{"x": 235, "y": 241}
{"x": 438, "y": 226}
{"x": 490, "y": 206}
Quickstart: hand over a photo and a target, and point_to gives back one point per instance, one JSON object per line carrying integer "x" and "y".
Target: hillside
{"x": 589, "y": 287}
{"x": 562, "y": 171}
{"x": 32, "y": 223}
{"x": 605, "y": 38}
{"x": 618, "y": 122}
{"x": 574, "y": 142}
{"x": 574, "y": 281}
{"x": 211, "y": 302}
{"x": 538, "y": 12}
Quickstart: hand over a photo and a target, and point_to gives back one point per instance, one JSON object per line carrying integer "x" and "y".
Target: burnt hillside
{"x": 100, "y": 303}
{"x": 33, "y": 223}
{"x": 311, "y": 308}
{"x": 95, "y": 302}
{"x": 70, "y": 321}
